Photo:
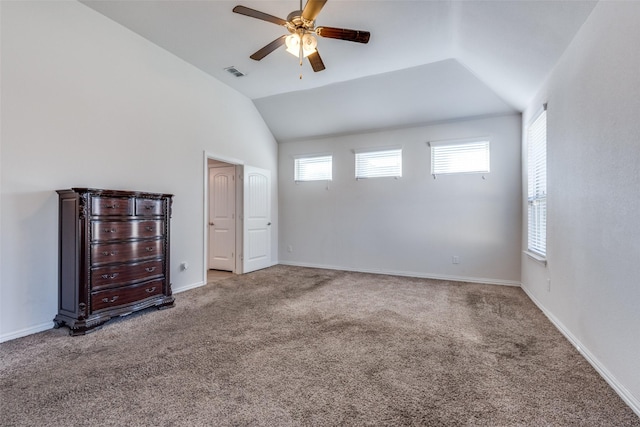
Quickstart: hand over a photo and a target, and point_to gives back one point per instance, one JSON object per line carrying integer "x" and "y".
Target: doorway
{"x": 237, "y": 214}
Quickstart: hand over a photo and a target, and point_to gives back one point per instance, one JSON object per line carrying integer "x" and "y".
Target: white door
{"x": 257, "y": 219}
{"x": 222, "y": 218}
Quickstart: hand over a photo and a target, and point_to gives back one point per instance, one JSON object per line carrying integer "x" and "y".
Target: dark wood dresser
{"x": 114, "y": 255}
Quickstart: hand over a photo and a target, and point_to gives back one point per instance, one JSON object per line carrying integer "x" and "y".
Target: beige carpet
{"x": 293, "y": 346}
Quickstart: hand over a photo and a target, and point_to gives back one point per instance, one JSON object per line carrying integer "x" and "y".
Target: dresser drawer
{"x": 102, "y": 253}
{"x": 116, "y": 230}
{"x": 110, "y": 298}
{"x": 119, "y": 275}
{"x": 111, "y": 206}
{"x": 149, "y": 207}
{"x": 111, "y": 230}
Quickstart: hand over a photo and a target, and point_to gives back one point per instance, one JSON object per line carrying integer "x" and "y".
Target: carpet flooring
{"x": 291, "y": 346}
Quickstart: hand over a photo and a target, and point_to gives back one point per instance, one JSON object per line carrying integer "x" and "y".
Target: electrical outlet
{"x": 289, "y": 248}
{"x": 184, "y": 265}
{"x": 548, "y": 285}
{"x": 455, "y": 259}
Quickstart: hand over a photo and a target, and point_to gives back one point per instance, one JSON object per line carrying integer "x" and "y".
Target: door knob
{"x": 211, "y": 223}
{"x": 268, "y": 223}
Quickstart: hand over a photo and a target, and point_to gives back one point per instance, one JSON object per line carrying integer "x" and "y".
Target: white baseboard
{"x": 177, "y": 290}
{"x": 27, "y": 331}
{"x": 622, "y": 391}
{"x": 422, "y": 275}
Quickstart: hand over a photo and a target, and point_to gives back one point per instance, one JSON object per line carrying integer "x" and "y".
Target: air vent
{"x": 234, "y": 71}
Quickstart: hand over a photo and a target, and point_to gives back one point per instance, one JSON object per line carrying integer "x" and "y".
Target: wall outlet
{"x": 455, "y": 259}
{"x": 184, "y": 265}
{"x": 548, "y": 285}
{"x": 289, "y": 248}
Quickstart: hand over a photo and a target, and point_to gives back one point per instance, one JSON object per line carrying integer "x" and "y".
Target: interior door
{"x": 222, "y": 218}
{"x": 257, "y": 219}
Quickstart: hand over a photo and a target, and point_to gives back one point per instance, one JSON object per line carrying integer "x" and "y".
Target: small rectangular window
{"x": 376, "y": 164}
{"x": 313, "y": 168}
{"x": 537, "y": 185}
{"x": 460, "y": 157}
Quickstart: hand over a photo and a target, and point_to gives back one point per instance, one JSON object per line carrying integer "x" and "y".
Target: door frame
{"x": 239, "y": 166}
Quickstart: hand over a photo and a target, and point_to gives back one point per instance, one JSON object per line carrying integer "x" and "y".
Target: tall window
{"x": 537, "y": 191}
{"x": 469, "y": 156}
{"x": 313, "y": 168}
{"x": 376, "y": 164}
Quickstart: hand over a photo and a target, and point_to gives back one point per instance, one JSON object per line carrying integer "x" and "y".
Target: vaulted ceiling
{"x": 427, "y": 61}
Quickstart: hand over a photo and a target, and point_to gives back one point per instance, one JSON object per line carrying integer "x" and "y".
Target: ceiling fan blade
{"x": 316, "y": 61}
{"x": 344, "y": 34}
{"x": 268, "y": 48}
{"x": 259, "y": 15}
{"x": 312, "y": 9}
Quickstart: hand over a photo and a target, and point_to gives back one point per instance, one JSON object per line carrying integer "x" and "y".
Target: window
{"x": 537, "y": 185}
{"x": 313, "y": 168}
{"x": 469, "y": 156}
{"x": 376, "y": 164}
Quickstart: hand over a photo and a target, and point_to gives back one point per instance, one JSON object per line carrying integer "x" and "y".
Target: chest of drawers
{"x": 113, "y": 254}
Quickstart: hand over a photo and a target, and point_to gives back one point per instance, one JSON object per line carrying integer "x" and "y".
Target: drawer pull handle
{"x": 109, "y": 230}
{"x": 150, "y": 269}
{"x": 113, "y": 206}
{"x": 110, "y": 276}
{"x": 113, "y": 299}
{"x": 149, "y": 249}
{"x": 148, "y": 207}
{"x": 149, "y": 290}
{"x": 148, "y": 228}
{"x": 107, "y": 253}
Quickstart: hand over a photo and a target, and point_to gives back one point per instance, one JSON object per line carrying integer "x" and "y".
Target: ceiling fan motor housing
{"x": 296, "y": 22}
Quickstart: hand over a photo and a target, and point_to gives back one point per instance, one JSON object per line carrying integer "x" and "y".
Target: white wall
{"x": 412, "y": 225}
{"x": 87, "y": 103}
{"x": 593, "y": 242}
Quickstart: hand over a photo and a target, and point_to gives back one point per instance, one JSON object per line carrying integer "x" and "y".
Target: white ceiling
{"x": 427, "y": 61}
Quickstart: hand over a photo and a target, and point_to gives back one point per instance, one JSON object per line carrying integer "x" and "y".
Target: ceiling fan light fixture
{"x": 309, "y": 44}
{"x": 293, "y": 44}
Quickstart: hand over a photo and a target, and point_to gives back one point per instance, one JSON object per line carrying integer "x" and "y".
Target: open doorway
{"x": 237, "y": 229}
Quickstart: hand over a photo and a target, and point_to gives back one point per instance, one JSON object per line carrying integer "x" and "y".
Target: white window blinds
{"x": 537, "y": 185}
{"x": 460, "y": 157}
{"x": 376, "y": 164}
{"x": 313, "y": 168}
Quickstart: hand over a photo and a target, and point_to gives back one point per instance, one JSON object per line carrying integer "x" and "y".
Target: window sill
{"x": 536, "y": 257}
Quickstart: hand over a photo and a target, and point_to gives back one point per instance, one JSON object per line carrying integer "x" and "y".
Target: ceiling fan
{"x": 301, "y": 26}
